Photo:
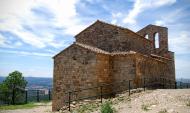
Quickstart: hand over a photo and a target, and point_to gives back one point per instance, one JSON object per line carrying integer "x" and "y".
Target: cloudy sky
{"x": 32, "y": 31}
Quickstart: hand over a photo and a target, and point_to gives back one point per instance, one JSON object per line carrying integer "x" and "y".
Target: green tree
{"x": 5, "y": 95}
{"x": 14, "y": 83}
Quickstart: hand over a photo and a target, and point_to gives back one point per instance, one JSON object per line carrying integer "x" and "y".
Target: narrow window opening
{"x": 156, "y": 37}
{"x": 146, "y": 36}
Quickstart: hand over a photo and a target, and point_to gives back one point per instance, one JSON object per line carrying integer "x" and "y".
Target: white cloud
{"x": 65, "y": 14}
{"x": 15, "y": 14}
{"x": 2, "y": 40}
{"x": 27, "y": 53}
{"x": 170, "y": 18}
{"x": 142, "y": 5}
{"x": 179, "y": 38}
{"x": 8, "y": 44}
{"x": 180, "y": 43}
{"x": 115, "y": 17}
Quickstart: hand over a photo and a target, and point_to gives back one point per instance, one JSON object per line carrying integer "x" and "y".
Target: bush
{"x": 107, "y": 107}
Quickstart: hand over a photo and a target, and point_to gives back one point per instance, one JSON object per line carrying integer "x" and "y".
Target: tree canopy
{"x": 12, "y": 88}
{"x": 15, "y": 80}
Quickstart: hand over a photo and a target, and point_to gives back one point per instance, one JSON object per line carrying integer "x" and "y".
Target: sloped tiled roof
{"x": 157, "y": 56}
{"x": 97, "y": 50}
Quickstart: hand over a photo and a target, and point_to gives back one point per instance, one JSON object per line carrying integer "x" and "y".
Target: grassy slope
{"x": 23, "y": 106}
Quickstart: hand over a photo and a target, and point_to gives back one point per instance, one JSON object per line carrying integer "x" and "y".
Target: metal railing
{"x": 145, "y": 83}
{"x": 19, "y": 96}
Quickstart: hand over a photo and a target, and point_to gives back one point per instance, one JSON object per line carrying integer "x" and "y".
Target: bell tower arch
{"x": 158, "y": 35}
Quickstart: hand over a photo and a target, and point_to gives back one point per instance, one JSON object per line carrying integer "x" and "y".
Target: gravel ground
{"x": 155, "y": 101}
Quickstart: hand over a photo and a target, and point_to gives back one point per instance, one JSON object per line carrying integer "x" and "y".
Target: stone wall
{"x": 154, "y": 69}
{"x": 112, "y": 38}
{"x": 104, "y": 73}
{"x": 170, "y": 64}
{"x": 123, "y": 70}
{"x": 74, "y": 69}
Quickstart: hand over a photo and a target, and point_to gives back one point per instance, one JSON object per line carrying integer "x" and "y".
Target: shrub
{"x": 188, "y": 103}
{"x": 107, "y": 107}
{"x": 145, "y": 107}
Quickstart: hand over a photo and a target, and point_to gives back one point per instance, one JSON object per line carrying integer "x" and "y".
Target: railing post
{"x": 38, "y": 99}
{"x": 180, "y": 85}
{"x": 26, "y": 96}
{"x": 144, "y": 84}
{"x": 69, "y": 101}
{"x": 49, "y": 93}
{"x": 175, "y": 85}
{"x": 160, "y": 82}
{"x": 101, "y": 93}
{"x": 163, "y": 83}
{"x": 129, "y": 87}
{"x": 187, "y": 85}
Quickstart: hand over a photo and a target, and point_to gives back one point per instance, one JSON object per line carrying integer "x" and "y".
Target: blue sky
{"x": 32, "y": 31}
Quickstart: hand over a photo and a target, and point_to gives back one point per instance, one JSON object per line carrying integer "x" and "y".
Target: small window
{"x": 156, "y": 38}
{"x": 146, "y": 36}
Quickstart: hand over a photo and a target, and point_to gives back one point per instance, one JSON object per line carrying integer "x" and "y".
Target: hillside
{"x": 36, "y": 82}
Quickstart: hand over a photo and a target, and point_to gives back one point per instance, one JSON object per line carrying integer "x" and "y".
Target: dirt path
{"x": 156, "y": 101}
{"x": 42, "y": 108}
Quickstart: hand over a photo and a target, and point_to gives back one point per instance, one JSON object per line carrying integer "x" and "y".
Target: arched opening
{"x": 146, "y": 36}
{"x": 156, "y": 39}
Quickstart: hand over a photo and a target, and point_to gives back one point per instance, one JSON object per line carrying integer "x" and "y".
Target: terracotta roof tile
{"x": 97, "y": 50}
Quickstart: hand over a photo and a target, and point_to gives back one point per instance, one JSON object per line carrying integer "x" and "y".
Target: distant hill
{"x": 1, "y": 79}
{"x": 36, "y": 82}
{"x": 46, "y": 83}
{"x": 185, "y": 80}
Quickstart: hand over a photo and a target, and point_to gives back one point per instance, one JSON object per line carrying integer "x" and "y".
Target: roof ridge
{"x": 123, "y": 29}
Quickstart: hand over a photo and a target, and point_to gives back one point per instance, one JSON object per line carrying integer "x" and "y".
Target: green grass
{"x": 107, "y": 107}
{"x": 145, "y": 107}
{"x": 22, "y": 106}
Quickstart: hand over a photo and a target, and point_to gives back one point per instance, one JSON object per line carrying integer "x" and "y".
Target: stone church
{"x": 106, "y": 53}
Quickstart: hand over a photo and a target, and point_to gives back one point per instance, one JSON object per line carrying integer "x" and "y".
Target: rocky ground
{"x": 150, "y": 101}
{"x": 157, "y": 101}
